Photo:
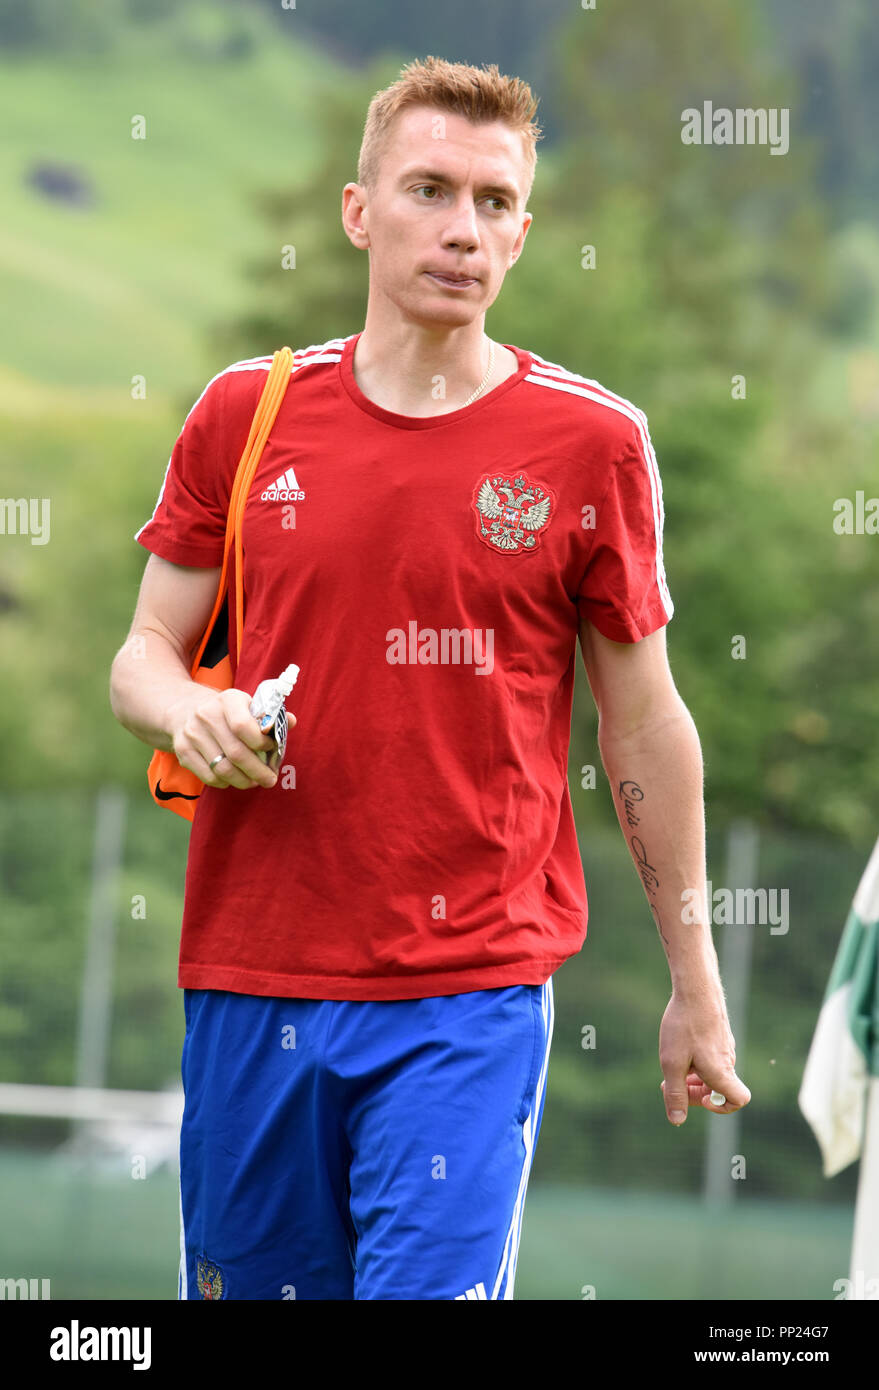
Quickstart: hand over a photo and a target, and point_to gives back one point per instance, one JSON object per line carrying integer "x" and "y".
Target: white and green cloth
{"x": 839, "y": 1095}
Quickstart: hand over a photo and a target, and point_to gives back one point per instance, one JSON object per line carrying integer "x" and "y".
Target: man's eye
{"x": 492, "y": 197}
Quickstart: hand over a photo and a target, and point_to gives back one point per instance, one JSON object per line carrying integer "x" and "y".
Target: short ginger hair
{"x": 480, "y": 95}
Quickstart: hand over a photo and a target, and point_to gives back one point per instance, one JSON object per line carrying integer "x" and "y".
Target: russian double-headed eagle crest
{"x": 511, "y": 512}
{"x": 209, "y": 1279}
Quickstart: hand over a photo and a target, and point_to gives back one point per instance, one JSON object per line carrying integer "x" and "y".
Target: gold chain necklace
{"x": 481, "y": 386}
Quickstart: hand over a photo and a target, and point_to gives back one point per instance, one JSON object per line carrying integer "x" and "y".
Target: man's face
{"x": 449, "y": 199}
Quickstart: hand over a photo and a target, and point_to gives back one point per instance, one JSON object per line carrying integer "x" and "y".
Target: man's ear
{"x": 527, "y": 220}
{"x": 358, "y": 235}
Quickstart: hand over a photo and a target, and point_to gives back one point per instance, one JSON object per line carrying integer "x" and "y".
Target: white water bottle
{"x": 267, "y": 708}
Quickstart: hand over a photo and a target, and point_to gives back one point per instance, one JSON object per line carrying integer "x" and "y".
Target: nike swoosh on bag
{"x": 169, "y": 796}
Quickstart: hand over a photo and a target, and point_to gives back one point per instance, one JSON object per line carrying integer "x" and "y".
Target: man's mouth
{"x": 457, "y": 282}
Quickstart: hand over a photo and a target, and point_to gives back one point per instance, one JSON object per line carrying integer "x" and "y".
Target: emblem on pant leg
{"x": 511, "y": 512}
{"x": 211, "y": 1283}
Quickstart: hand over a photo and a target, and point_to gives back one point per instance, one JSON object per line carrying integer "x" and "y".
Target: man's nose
{"x": 462, "y": 229}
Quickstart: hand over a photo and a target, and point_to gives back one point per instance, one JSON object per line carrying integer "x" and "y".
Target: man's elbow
{"x": 120, "y": 679}
{"x": 619, "y": 726}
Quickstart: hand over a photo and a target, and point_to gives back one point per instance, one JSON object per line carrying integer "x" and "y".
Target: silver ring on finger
{"x": 218, "y": 759}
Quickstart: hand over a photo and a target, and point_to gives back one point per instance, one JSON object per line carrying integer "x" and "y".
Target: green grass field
{"x": 119, "y": 1238}
{"x": 128, "y": 283}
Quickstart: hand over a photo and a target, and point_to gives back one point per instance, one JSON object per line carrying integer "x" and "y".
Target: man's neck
{"x": 418, "y": 373}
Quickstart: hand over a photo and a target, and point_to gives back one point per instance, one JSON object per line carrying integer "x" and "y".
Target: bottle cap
{"x": 288, "y": 678}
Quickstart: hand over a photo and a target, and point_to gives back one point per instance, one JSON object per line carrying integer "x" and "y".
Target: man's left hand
{"x": 697, "y": 1054}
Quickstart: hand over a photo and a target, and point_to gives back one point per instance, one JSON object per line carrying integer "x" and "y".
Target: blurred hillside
{"x": 116, "y": 253}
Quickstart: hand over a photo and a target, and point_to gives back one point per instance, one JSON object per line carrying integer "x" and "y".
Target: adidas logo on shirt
{"x": 477, "y": 1293}
{"x": 283, "y": 489}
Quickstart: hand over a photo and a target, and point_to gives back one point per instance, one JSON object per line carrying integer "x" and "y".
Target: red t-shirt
{"x": 428, "y": 576}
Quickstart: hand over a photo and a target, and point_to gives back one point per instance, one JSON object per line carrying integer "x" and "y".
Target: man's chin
{"x": 434, "y": 309}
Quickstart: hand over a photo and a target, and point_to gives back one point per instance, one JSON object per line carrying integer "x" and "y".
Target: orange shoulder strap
{"x": 263, "y": 419}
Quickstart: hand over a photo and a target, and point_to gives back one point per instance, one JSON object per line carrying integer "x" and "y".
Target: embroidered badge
{"x": 210, "y": 1279}
{"x": 511, "y": 512}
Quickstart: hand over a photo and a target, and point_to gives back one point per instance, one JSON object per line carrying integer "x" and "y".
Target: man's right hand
{"x": 204, "y": 723}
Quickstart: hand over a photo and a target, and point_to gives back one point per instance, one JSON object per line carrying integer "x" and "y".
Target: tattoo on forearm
{"x": 655, "y": 910}
{"x": 631, "y": 796}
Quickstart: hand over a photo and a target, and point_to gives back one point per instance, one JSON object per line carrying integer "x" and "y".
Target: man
{"x": 369, "y": 940}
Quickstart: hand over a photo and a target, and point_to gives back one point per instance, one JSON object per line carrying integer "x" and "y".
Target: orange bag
{"x": 171, "y": 785}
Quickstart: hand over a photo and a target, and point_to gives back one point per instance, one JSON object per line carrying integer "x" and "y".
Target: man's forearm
{"x": 146, "y": 677}
{"x": 656, "y": 776}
